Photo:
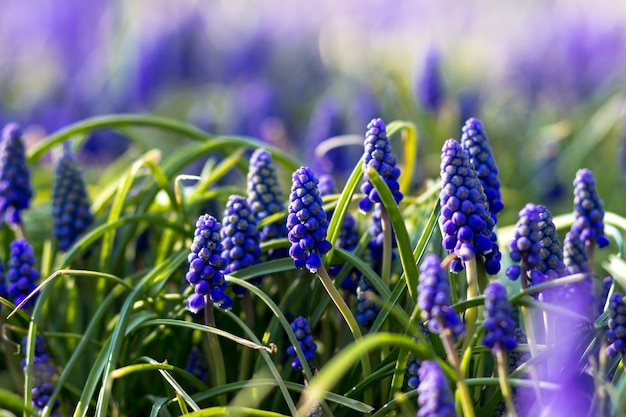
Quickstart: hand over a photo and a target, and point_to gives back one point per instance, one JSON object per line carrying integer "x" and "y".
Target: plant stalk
{"x": 505, "y": 387}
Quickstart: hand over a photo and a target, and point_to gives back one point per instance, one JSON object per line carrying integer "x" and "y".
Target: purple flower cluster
{"x": 366, "y": 309}
{"x": 616, "y": 333}
{"x": 434, "y": 299}
{"x": 499, "y": 323}
{"x": 577, "y": 296}
{"x": 476, "y": 143}
{"x": 240, "y": 238}
{"x": 15, "y": 188}
{"x": 71, "y": 212}
{"x": 206, "y": 266}
{"x": 21, "y": 275}
{"x": 430, "y": 90}
{"x": 465, "y": 218}
{"x": 536, "y": 246}
{"x": 434, "y": 396}
{"x": 307, "y": 223}
{"x": 412, "y": 371}
{"x": 265, "y": 197}
{"x": 588, "y": 209}
{"x": 196, "y": 364}
{"x": 44, "y": 376}
{"x": 378, "y": 156}
{"x": 302, "y": 330}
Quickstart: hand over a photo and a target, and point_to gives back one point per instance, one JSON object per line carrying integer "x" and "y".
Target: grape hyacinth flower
{"x": 302, "y": 330}
{"x": 378, "y": 156}
{"x": 412, "y": 371}
{"x": 577, "y": 296}
{"x": 196, "y": 364}
{"x": 434, "y": 396}
{"x": 430, "y": 90}
{"x": 465, "y": 218}
{"x": 71, "y": 212}
{"x": 536, "y": 246}
{"x": 44, "y": 376}
{"x": 15, "y": 188}
{"x": 476, "y": 143}
{"x": 206, "y": 266}
{"x": 616, "y": 333}
{"x": 265, "y": 197}
{"x": 588, "y": 209}
{"x": 240, "y": 238}
{"x": 366, "y": 309}
{"x": 434, "y": 299}
{"x": 21, "y": 275}
{"x": 307, "y": 223}
{"x": 499, "y": 323}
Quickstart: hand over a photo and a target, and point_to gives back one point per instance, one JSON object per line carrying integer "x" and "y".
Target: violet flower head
{"x": 378, "y": 156}
{"x": 476, "y": 143}
{"x": 240, "y": 239}
{"x": 71, "y": 211}
{"x": 44, "y": 376}
{"x": 196, "y": 364}
{"x": 21, "y": 275}
{"x": 434, "y": 396}
{"x": 265, "y": 197}
{"x": 430, "y": 89}
{"x": 306, "y": 222}
{"x": 536, "y": 246}
{"x": 206, "y": 266}
{"x": 412, "y": 371}
{"x": 616, "y": 333}
{"x": 465, "y": 218}
{"x": 302, "y": 330}
{"x": 434, "y": 299}
{"x": 577, "y": 296}
{"x": 366, "y": 309}
{"x": 15, "y": 188}
{"x": 499, "y": 323}
{"x": 588, "y": 209}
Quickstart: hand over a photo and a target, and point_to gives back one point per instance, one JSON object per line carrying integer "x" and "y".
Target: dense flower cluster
{"x": 465, "y": 218}
{"x": 307, "y": 223}
{"x": 378, "y": 156}
{"x": 499, "y": 323}
{"x": 577, "y": 296}
{"x": 240, "y": 238}
{"x": 476, "y": 143}
{"x": 15, "y": 188}
{"x": 21, "y": 275}
{"x": 366, "y": 309}
{"x": 616, "y": 333}
{"x": 265, "y": 197}
{"x": 588, "y": 209}
{"x": 302, "y": 330}
{"x": 206, "y": 266}
{"x": 430, "y": 89}
{"x": 412, "y": 371}
{"x": 44, "y": 376}
{"x": 434, "y": 299}
{"x": 536, "y": 246}
{"x": 71, "y": 212}
{"x": 434, "y": 395}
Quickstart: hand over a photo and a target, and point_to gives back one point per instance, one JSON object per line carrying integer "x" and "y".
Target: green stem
{"x": 471, "y": 314}
{"x": 248, "y": 311}
{"x": 385, "y": 270}
{"x": 350, "y": 321}
{"x": 453, "y": 358}
{"x": 505, "y": 387}
{"x": 215, "y": 359}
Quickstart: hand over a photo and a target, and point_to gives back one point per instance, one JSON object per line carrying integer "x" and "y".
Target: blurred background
{"x": 545, "y": 77}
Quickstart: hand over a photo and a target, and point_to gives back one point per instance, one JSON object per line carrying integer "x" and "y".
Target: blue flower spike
{"x": 499, "y": 323}
{"x": 616, "y": 333}
{"x": 588, "y": 210}
{"x": 434, "y": 396}
{"x": 476, "y": 143}
{"x": 206, "y": 265}
{"x": 44, "y": 377}
{"x": 21, "y": 274}
{"x": 240, "y": 238}
{"x": 15, "y": 188}
{"x": 307, "y": 224}
{"x": 377, "y": 155}
{"x": 465, "y": 219}
{"x": 71, "y": 211}
{"x": 302, "y": 330}
{"x": 265, "y": 197}
{"x": 366, "y": 308}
